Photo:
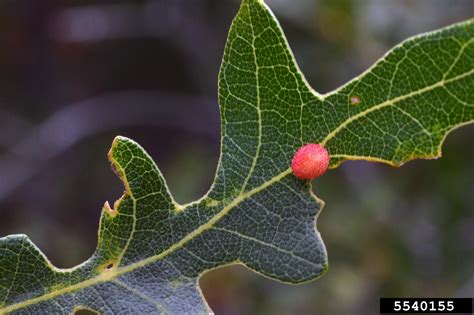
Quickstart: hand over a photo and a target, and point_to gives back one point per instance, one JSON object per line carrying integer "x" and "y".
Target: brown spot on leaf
{"x": 83, "y": 310}
{"x": 355, "y": 100}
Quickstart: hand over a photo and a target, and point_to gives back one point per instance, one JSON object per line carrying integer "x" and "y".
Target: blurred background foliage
{"x": 73, "y": 74}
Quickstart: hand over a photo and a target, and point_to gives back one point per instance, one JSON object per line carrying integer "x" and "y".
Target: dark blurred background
{"x": 73, "y": 74}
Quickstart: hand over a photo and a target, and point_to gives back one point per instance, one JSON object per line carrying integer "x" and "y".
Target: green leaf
{"x": 152, "y": 251}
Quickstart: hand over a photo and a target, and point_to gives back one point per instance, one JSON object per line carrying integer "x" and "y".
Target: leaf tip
{"x": 115, "y": 143}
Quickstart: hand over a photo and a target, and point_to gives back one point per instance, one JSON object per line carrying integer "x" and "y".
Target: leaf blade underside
{"x": 152, "y": 251}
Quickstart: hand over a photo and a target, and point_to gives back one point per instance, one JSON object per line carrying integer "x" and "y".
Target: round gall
{"x": 310, "y": 161}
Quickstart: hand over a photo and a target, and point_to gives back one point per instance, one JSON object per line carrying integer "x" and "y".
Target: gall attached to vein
{"x": 310, "y": 161}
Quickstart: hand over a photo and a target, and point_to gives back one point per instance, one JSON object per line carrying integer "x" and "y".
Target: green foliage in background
{"x": 151, "y": 250}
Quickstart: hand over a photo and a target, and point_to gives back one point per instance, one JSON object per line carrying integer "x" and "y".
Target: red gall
{"x": 310, "y": 161}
